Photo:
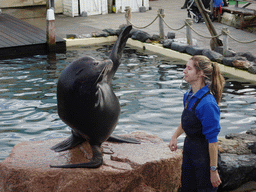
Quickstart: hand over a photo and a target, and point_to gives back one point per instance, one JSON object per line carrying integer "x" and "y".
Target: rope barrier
{"x": 141, "y": 27}
{"x": 169, "y": 25}
{"x": 242, "y": 42}
{"x": 207, "y": 37}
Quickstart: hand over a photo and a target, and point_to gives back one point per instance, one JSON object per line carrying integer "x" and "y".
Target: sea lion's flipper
{"x": 96, "y": 161}
{"x": 69, "y": 143}
{"x": 118, "y": 48}
{"x": 115, "y": 138}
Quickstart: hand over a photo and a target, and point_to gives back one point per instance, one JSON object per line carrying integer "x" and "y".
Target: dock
{"x": 21, "y": 39}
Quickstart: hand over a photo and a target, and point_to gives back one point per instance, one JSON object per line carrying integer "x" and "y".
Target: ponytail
{"x": 217, "y": 84}
{"x": 212, "y": 75}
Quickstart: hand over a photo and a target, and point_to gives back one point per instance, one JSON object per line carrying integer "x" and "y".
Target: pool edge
{"x": 157, "y": 48}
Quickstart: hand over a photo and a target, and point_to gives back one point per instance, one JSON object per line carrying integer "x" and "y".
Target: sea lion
{"x": 87, "y": 103}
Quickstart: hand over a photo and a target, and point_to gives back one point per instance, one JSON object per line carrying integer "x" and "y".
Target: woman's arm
{"x": 173, "y": 143}
{"x": 213, "y": 152}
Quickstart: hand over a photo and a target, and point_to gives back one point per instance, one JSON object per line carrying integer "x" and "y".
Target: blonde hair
{"x": 212, "y": 75}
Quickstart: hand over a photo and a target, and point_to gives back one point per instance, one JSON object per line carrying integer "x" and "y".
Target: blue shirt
{"x": 207, "y": 111}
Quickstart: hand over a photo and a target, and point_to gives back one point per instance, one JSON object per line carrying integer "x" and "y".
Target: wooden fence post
{"x": 128, "y": 14}
{"x": 188, "y": 23}
{"x": 161, "y": 23}
{"x": 225, "y": 32}
{"x": 50, "y": 30}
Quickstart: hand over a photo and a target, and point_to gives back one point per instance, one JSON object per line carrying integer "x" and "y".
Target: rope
{"x": 207, "y": 37}
{"x": 141, "y": 27}
{"x": 187, "y": 24}
{"x": 168, "y": 25}
{"x": 242, "y": 42}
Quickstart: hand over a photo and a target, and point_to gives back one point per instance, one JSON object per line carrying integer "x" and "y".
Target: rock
{"x": 247, "y": 187}
{"x": 252, "y": 68}
{"x": 236, "y": 170}
{"x": 184, "y": 41}
{"x": 100, "y": 34}
{"x": 252, "y": 147}
{"x": 71, "y": 36}
{"x": 229, "y": 52}
{"x": 170, "y": 35}
{"x": 194, "y": 50}
{"x": 86, "y": 36}
{"x": 141, "y": 36}
{"x": 251, "y": 131}
{"x": 231, "y": 146}
{"x": 228, "y": 61}
{"x": 180, "y": 47}
{"x": 249, "y": 56}
{"x": 111, "y": 32}
{"x": 242, "y": 136}
{"x": 167, "y": 43}
{"x": 155, "y": 38}
{"x": 212, "y": 55}
{"x": 149, "y": 166}
{"x": 241, "y": 64}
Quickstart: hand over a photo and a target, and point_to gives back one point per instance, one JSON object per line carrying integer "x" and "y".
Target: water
{"x": 149, "y": 87}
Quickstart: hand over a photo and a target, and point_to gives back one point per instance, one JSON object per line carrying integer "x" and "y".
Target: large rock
{"x": 236, "y": 170}
{"x": 238, "y": 161}
{"x": 194, "y": 50}
{"x": 149, "y": 166}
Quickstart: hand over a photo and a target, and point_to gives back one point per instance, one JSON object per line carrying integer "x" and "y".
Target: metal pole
{"x": 161, "y": 23}
{"x": 188, "y": 23}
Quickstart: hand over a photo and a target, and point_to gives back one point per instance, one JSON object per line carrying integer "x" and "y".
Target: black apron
{"x": 196, "y": 159}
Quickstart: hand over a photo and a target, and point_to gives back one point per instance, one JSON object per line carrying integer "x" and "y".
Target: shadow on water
{"x": 149, "y": 87}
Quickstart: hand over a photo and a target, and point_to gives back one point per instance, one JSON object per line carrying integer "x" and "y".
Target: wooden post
{"x": 128, "y": 14}
{"x": 161, "y": 23}
{"x": 50, "y": 31}
{"x": 50, "y": 4}
{"x": 188, "y": 23}
{"x": 215, "y": 41}
{"x": 225, "y": 32}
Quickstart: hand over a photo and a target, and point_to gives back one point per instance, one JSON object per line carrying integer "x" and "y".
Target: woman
{"x": 200, "y": 122}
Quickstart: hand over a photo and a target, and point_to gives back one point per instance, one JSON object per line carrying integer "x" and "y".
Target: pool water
{"x": 149, "y": 87}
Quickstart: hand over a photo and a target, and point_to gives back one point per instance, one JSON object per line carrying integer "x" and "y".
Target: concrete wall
{"x": 24, "y": 3}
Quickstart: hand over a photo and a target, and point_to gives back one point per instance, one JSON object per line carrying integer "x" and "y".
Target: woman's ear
{"x": 201, "y": 73}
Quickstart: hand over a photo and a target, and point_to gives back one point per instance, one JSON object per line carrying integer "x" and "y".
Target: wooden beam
{"x": 215, "y": 41}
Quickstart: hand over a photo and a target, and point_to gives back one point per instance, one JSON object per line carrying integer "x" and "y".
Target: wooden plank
{"x": 26, "y": 27}
{"x": 19, "y": 39}
{"x": 21, "y": 26}
{"x": 239, "y": 10}
{"x": 249, "y": 1}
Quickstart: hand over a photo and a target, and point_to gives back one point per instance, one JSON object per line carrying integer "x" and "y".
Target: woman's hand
{"x": 215, "y": 178}
{"x": 173, "y": 144}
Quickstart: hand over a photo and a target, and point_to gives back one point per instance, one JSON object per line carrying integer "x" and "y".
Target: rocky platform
{"x": 145, "y": 167}
{"x": 238, "y": 162}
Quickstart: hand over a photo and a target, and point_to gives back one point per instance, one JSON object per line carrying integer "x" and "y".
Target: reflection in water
{"x": 149, "y": 87}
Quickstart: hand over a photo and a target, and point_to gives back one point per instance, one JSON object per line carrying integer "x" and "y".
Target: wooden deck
{"x": 20, "y": 39}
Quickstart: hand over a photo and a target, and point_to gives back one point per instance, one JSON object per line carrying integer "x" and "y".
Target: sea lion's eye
{"x": 95, "y": 63}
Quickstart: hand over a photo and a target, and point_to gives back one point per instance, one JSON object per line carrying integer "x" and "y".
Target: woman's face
{"x": 190, "y": 73}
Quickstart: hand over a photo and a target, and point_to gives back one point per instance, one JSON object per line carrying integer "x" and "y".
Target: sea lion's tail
{"x": 96, "y": 161}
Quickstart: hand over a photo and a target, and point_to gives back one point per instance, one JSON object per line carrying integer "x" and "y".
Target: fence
{"x": 188, "y": 24}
